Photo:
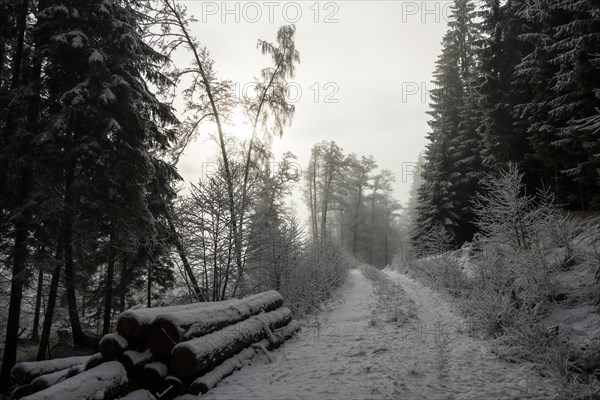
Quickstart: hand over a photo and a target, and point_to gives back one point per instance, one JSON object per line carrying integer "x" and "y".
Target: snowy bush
{"x": 323, "y": 267}
{"x": 438, "y": 266}
{"x": 517, "y": 267}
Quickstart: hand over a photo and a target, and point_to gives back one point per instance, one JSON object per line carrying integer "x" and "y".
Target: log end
{"x": 183, "y": 362}
{"x": 112, "y": 346}
{"x": 162, "y": 338}
{"x": 198, "y": 387}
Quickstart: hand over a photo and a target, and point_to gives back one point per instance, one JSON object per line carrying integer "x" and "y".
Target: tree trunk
{"x": 355, "y": 225}
{"x": 108, "y": 293}
{"x": 149, "y": 287}
{"x": 79, "y": 337}
{"x": 372, "y": 250}
{"x": 387, "y": 225}
{"x": 325, "y": 206}
{"x": 38, "y": 306}
{"x": 314, "y": 202}
{"x": 21, "y": 225}
{"x": 16, "y": 292}
{"x": 126, "y": 264}
{"x": 45, "y": 340}
{"x": 184, "y": 260}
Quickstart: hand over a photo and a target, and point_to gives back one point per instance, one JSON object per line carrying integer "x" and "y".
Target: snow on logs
{"x": 169, "y": 329}
{"x": 107, "y": 381}
{"x": 199, "y": 355}
{"x": 112, "y": 346}
{"x": 211, "y": 379}
{"x": 25, "y": 372}
{"x": 157, "y": 353}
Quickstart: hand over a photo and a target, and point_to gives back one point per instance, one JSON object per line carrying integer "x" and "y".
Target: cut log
{"x": 112, "y": 346}
{"x": 211, "y": 379}
{"x": 93, "y": 362}
{"x": 208, "y": 381}
{"x": 174, "y": 388}
{"x": 133, "y": 324}
{"x": 25, "y": 372}
{"x": 199, "y": 355}
{"x": 107, "y": 381}
{"x": 134, "y": 362}
{"x": 141, "y": 394}
{"x": 169, "y": 329}
{"x": 284, "y": 334}
{"x": 153, "y": 376}
{"x": 45, "y": 381}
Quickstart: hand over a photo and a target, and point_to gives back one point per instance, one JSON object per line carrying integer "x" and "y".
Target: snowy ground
{"x": 359, "y": 350}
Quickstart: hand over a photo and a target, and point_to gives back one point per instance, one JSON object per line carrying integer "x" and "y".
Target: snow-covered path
{"x": 359, "y": 350}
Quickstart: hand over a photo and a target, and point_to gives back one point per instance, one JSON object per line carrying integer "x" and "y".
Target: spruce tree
{"x": 452, "y": 159}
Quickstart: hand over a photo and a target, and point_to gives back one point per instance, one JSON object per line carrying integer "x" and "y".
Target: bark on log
{"x": 25, "y": 372}
{"x": 211, "y": 379}
{"x": 112, "y": 346}
{"x": 199, "y": 355}
{"x": 169, "y": 329}
{"x": 153, "y": 376}
{"x": 106, "y": 381}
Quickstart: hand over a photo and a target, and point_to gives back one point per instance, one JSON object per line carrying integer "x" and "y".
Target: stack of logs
{"x": 162, "y": 353}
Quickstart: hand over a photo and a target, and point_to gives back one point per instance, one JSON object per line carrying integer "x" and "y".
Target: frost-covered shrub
{"x": 432, "y": 261}
{"x": 323, "y": 267}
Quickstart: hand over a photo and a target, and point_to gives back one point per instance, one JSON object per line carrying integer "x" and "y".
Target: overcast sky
{"x": 362, "y": 80}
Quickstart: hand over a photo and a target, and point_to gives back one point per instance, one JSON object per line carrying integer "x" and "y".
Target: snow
{"x": 89, "y": 385}
{"x": 24, "y": 372}
{"x": 96, "y": 57}
{"x": 221, "y": 312}
{"x": 223, "y": 343}
{"x": 226, "y": 368}
{"x": 579, "y": 324}
{"x": 108, "y": 97}
{"x": 352, "y": 352}
{"x": 138, "y": 357}
{"x": 214, "y": 341}
{"x": 141, "y": 394}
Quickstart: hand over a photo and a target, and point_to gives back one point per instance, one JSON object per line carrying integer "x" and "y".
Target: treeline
{"x": 350, "y": 201}
{"x": 90, "y": 214}
{"x": 85, "y": 189}
{"x": 518, "y": 82}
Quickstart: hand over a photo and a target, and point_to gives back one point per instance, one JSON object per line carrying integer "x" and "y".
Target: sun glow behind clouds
{"x": 238, "y": 126}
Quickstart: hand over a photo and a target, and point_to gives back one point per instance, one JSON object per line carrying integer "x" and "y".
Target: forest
{"x": 517, "y": 84}
{"x": 101, "y": 99}
{"x": 93, "y": 216}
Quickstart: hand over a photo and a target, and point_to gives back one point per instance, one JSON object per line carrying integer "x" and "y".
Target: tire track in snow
{"x": 355, "y": 351}
{"x": 469, "y": 369}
